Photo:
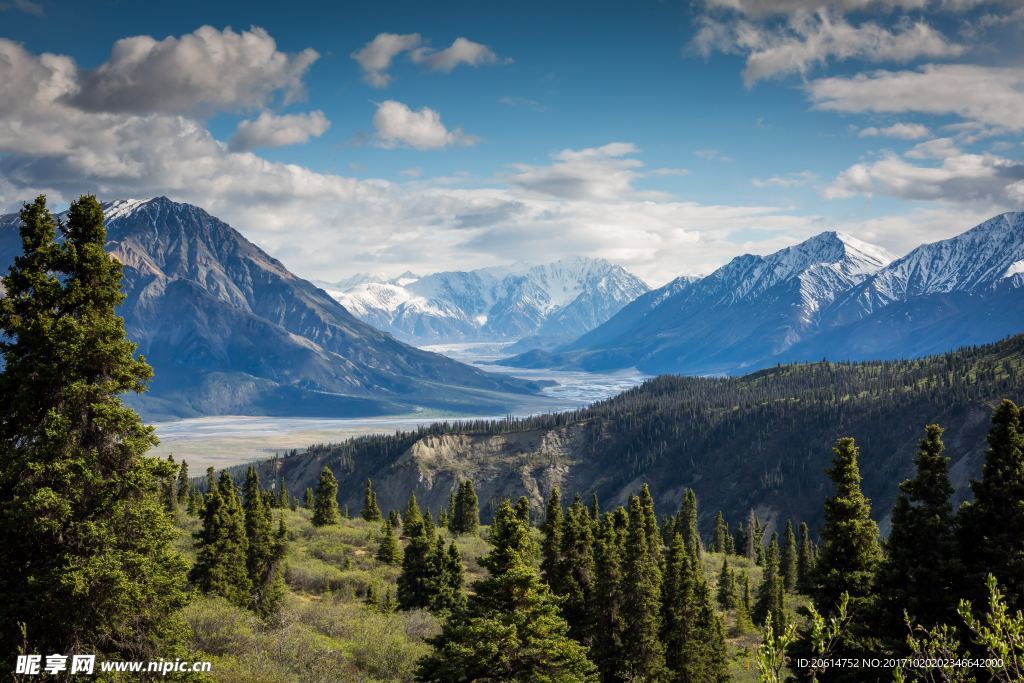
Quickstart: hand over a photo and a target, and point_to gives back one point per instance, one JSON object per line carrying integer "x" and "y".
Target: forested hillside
{"x": 759, "y": 441}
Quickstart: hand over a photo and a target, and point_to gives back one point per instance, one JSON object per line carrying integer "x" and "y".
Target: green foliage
{"x": 265, "y": 549}
{"x": 790, "y": 563}
{"x": 727, "y": 594}
{"x": 992, "y": 525}
{"x": 688, "y": 523}
{"x": 999, "y": 633}
{"x": 388, "y": 550}
{"x": 370, "y": 511}
{"x": 805, "y": 559}
{"x": 576, "y": 573}
{"x": 771, "y": 593}
{"x": 307, "y": 498}
{"x": 850, "y": 550}
{"x": 721, "y": 538}
{"x": 467, "y": 510}
{"x": 511, "y": 629}
{"x": 184, "y": 485}
{"x": 325, "y": 501}
{"x": 87, "y": 562}
{"x": 770, "y": 656}
{"x": 551, "y": 543}
{"x": 607, "y": 606}
{"x": 222, "y": 545}
{"x": 412, "y": 518}
{"x": 643, "y": 654}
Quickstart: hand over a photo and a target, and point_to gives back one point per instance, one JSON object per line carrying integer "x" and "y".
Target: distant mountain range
{"x": 229, "y": 330}
{"x": 832, "y": 296}
{"x": 538, "y": 306}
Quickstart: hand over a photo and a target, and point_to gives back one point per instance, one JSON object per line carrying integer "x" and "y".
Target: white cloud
{"x": 26, "y": 6}
{"x": 949, "y": 175}
{"x": 376, "y": 56}
{"x": 461, "y": 51}
{"x": 811, "y": 39}
{"x": 712, "y": 155}
{"x": 767, "y": 8}
{"x": 397, "y": 124}
{"x": 905, "y": 131}
{"x": 270, "y": 130}
{"x": 601, "y": 173}
{"x": 988, "y": 95}
{"x": 205, "y": 71}
{"x": 789, "y": 180}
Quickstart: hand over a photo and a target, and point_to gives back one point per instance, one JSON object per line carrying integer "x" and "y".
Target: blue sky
{"x": 667, "y": 137}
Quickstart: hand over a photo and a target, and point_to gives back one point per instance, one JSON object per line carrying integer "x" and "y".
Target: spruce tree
{"x": 447, "y": 577}
{"x": 643, "y": 656}
{"x": 607, "y": 606}
{"x": 919, "y": 572}
{"x": 726, "y": 593}
{"x": 688, "y": 523}
{"x": 739, "y": 541}
{"x": 282, "y": 493}
{"x": 721, "y": 541}
{"x": 511, "y": 629}
{"x": 88, "y": 561}
{"x": 705, "y": 653}
{"x": 752, "y": 538}
{"x": 771, "y": 593}
{"x": 805, "y": 559}
{"x": 307, "y": 498}
{"x": 396, "y": 519}
{"x": 325, "y": 502}
{"x": 992, "y": 525}
{"x": 222, "y": 546}
{"x": 467, "y": 510}
{"x": 551, "y": 542}
{"x": 388, "y": 550}
{"x": 577, "y": 570}
{"x": 850, "y": 549}
{"x": 412, "y": 518}
{"x": 184, "y": 485}
{"x": 523, "y": 509}
{"x": 418, "y": 581}
{"x": 654, "y": 540}
{"x": 790, "y": 561}
{"x": 370, "y": 511}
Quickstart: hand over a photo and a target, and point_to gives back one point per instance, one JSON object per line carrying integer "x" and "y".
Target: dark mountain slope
{"x": 759, "y": 441}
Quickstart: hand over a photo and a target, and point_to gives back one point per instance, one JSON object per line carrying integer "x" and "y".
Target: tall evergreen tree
{"x": 447, "y": 575}
{"x": 523, "y": 509}
{"x": 222, "y": 546}
{"x": 721, "y": 541}
{"x": 790, "y": 561}
{"x": 467, "y": 510}
{"x": 643, "y": 656}
{"x": 325, "y": 501}
{"x": 370, "y": 511}
{"x": 577, "y": 571}
{"x": 266, "y": 549}
{"x": 551, "y": 542}
{"x": 992, "y": 525}
{"x": 388, "y": 550}
{"x": 282, "y": 493}
{"x": 88, "y": 561}
{"x": 752, "y": 539}
{"x": 607, "y": 606}
{"x": 688, "y": 523}
{"x": 740, "y": 540}
{"x": 307, "y": 498}
{"x": 805, "y": 559}
{"x": 412, "y": 518}
{"x": 726, "y": 593}
{"x": 920, "y": 570}
{"x": 677, "y": 598}
{"x": 654, "y": 540}
{"x": 771, "y": 595}
{"x": 850, "y": 549}
{"x": 184, "y": 484}
{"x": 511, "y": 629}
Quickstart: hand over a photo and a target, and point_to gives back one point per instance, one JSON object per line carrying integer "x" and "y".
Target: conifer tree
{"x": 428, "y": 524}
{"x": 294, "y": 504}
{"x": 87, "y": 558}
{"x": 721, "y": 541}
{"x": 746, "y": 602}
{"x": 577, "y": 570}
{"x": 726, "y": 594}
{"x": 752, "y": 539}
{"x": 412, "y": 518}
{"x": 688, "y": 523}
{"x": 771, "y": 593}
{"x": 919, "y": 571}
{"x": 595, "y": 509}
{"x": 307, "y": 498}
{"x": 170, "y": 484}
{"x": 706, "y": 656}
{"x": 388, "y": 550}
{"x": 451, "y": 509}
{"x": 551, "y": 543}
{"x": 654, "y": 540}
{"x": 184, "y": 485}
{"x": 447, "y": 576}
{"x": 739, "y": 541}
{"x": 523, "y": 509}
{"x": 850, "y": 549}
{"x": 511, "y": 629}
{"x": 992, "y": 525}
{"x": 805, "y": 559}
{"x": 325, "y": 502}
{"x": 370, "y": 511}
{"x": 607, "y": 606}
{"x": 282, "y": 493}
{"x": 643, "y": 656}
{"x": 194, "y": 501}
{"x": 396, "y": 519}
{"x": 790, "y": 561}
{"x": 677, "y": 598}
{"x": 467, "y": 510}
{"x": 222, "y": 547}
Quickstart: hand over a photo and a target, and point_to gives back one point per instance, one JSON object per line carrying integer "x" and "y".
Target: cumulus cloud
{"x": 811, "y": 39}
{"x": 947, "y": 175}
{"x": 606, "y": 172}
{"x": 376, "y": 57}
{"x": 989, "y": 95}
{"x": 397, "y": 125}
{"x": 461, "y": 51}
{"x": 905, "y": 131}
{"x": 205, "y": 71}
{"x": 270, "y": 130}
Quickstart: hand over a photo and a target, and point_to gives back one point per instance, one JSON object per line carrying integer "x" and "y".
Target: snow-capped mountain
{"x": 749, "y": 309}
{"x": 832, "y": 296}
{"x": 557, "y": 301}
{"x": 229, "y": 330}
